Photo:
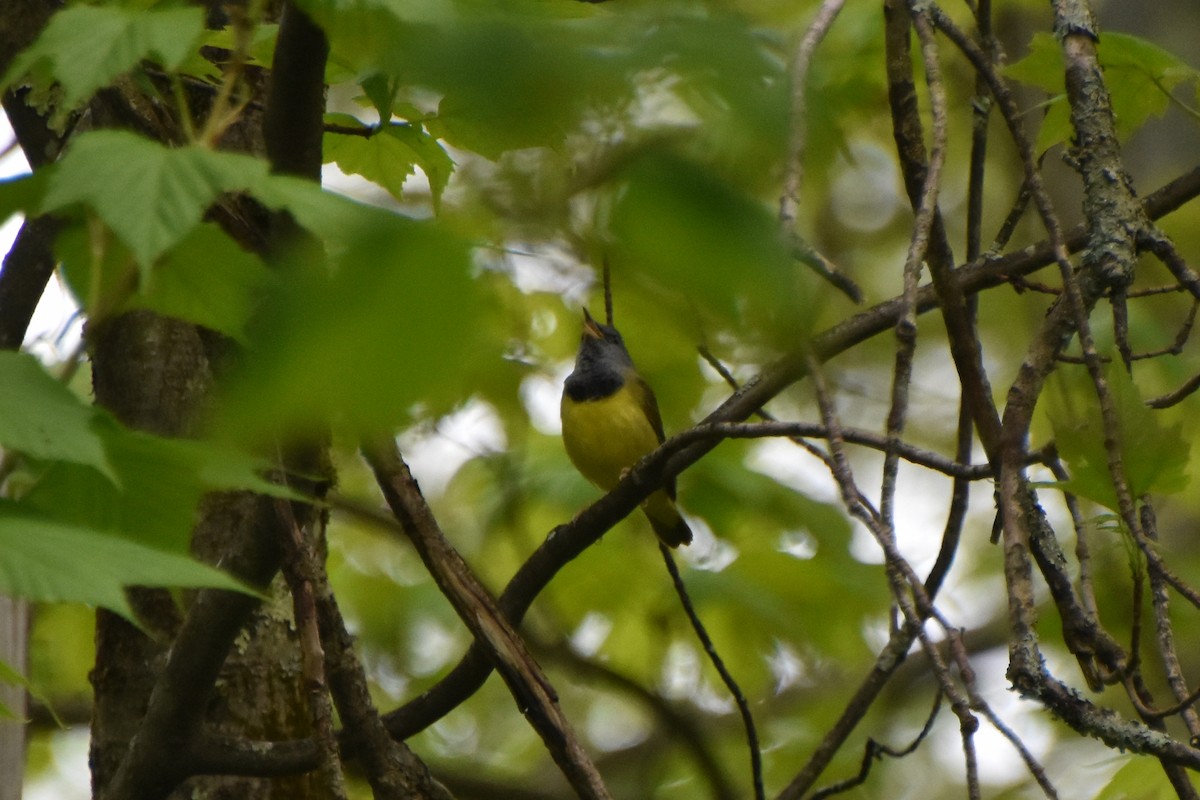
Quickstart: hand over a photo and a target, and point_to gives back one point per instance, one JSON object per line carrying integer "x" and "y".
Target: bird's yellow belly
{"x": 607, "y": 436}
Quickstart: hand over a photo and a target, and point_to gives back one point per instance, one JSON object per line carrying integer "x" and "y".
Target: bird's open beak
{"x": 590, "y": 328}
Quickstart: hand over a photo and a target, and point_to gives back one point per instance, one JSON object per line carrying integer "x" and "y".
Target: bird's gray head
{"x": 601, "y": 347}
{"x": 602, "y": 363}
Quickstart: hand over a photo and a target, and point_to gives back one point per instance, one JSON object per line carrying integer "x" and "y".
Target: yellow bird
{"x": 610, "y": 420}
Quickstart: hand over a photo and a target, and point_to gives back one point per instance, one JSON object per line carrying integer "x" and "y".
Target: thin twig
{"x": 907, "y": 589}
{"x": 789, "y": 202}
{"x": 534, "y": 695}
{"x": 1087, "y": 588}
{"x": 1177, "y": 396}
{"x": 1035, "y": 768}
{"x": 298, "y": 566}
{"x": 906, "y": 327}
{"x": 675, "y": 722}
{"x": 224, "y": 111}
{"x": 981, "y": 107}
{"x": 874, "y": 751}
{"x": 1153, "y": 239}
{"x": 818, "y": 262}
{"x": 1167, "y": 650}
{"x": 726, "y": 677}
{"x": 1120, "y": 317}
{"x": 796, "y": 430}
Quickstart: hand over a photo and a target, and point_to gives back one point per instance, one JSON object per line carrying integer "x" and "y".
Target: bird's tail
{"x": 665, "y": 520}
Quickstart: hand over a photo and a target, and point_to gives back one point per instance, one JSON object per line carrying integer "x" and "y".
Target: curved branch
{"x": 567, "y": 541}
{"x": 23, "y": 278}
{"x": 674, "y": 721}
{"x": 493, "y": 634}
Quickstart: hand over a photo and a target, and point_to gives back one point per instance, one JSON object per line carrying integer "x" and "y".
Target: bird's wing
{"x": 649, "y": 405}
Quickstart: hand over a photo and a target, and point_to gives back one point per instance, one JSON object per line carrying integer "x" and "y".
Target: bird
{"x": 610, "y": 420}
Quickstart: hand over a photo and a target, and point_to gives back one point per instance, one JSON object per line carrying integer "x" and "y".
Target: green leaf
{"x": 504, "y": 91}
{"x": 39, "y": 417}
{"x": 85, "y": 47}
{"x": 1140, "y": 778}
{"x": 688, "y": 232}
{"x": 733, "y": 80}
{"x": 97, "y": 268}
{"x": 1043, "y": 68}
{"x": 155, "y": 205}
{"x": 428, "y": 154}
{"x": 15, "y": 678}
{"x": 1155, "y": 456}
{"x": 506, "y": 81}
{"x": 381, "y": 91}
{"x": 261, "y": 50}
{"x": 206, "y": 279}
{"x": 379, "y": 158}
{"x": 159, "y": 484}
{"x": 395, "y": 322}
{"x": 1139, "y": 75}
{"x": 22, "y": 195}
{"x": 388, "y": 156}
{"x": 46, "y": 560}
{"x": 336, "y": 220}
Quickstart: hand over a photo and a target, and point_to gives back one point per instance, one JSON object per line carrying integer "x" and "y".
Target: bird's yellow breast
{"x": 604, "y": 437}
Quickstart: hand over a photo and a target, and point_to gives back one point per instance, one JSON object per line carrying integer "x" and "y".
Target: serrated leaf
{"x": 388, "y": 156}
{"x": 381, "y": 90}
{"x": 85, "y": 47}
{"x": 1139, "y": 75}
{"x": 1123, "y": 51}
{"x": 159, "y": 484}
{"x": 1155, "y": 456}
{"x": 45, "y": 560}
{"x": 206, "y": 278}
{"x": 379, "y": 158}
{"x": 1042, "y": 66}
{"x": 429, "y": 155}
{"x": 1139, "y": 779}
{"x": 40, "y": 418}
{"x": 150, "y": 196}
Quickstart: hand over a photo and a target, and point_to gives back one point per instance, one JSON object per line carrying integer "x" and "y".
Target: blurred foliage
{"x": 1141, "y": 77}
{"x": 1156, "y": 456}
{"x": 518, "y": 148}
{"x": 85, "y": 47}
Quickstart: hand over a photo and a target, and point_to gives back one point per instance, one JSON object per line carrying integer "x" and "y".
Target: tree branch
{"x": 531, "y": 689}
{"x": 569, "y": 540}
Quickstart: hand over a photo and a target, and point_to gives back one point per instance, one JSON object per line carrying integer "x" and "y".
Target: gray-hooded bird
{"x": 610, "y": 420}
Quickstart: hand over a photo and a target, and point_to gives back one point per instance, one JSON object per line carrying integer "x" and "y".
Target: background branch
{"x": 534, "y": 695}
